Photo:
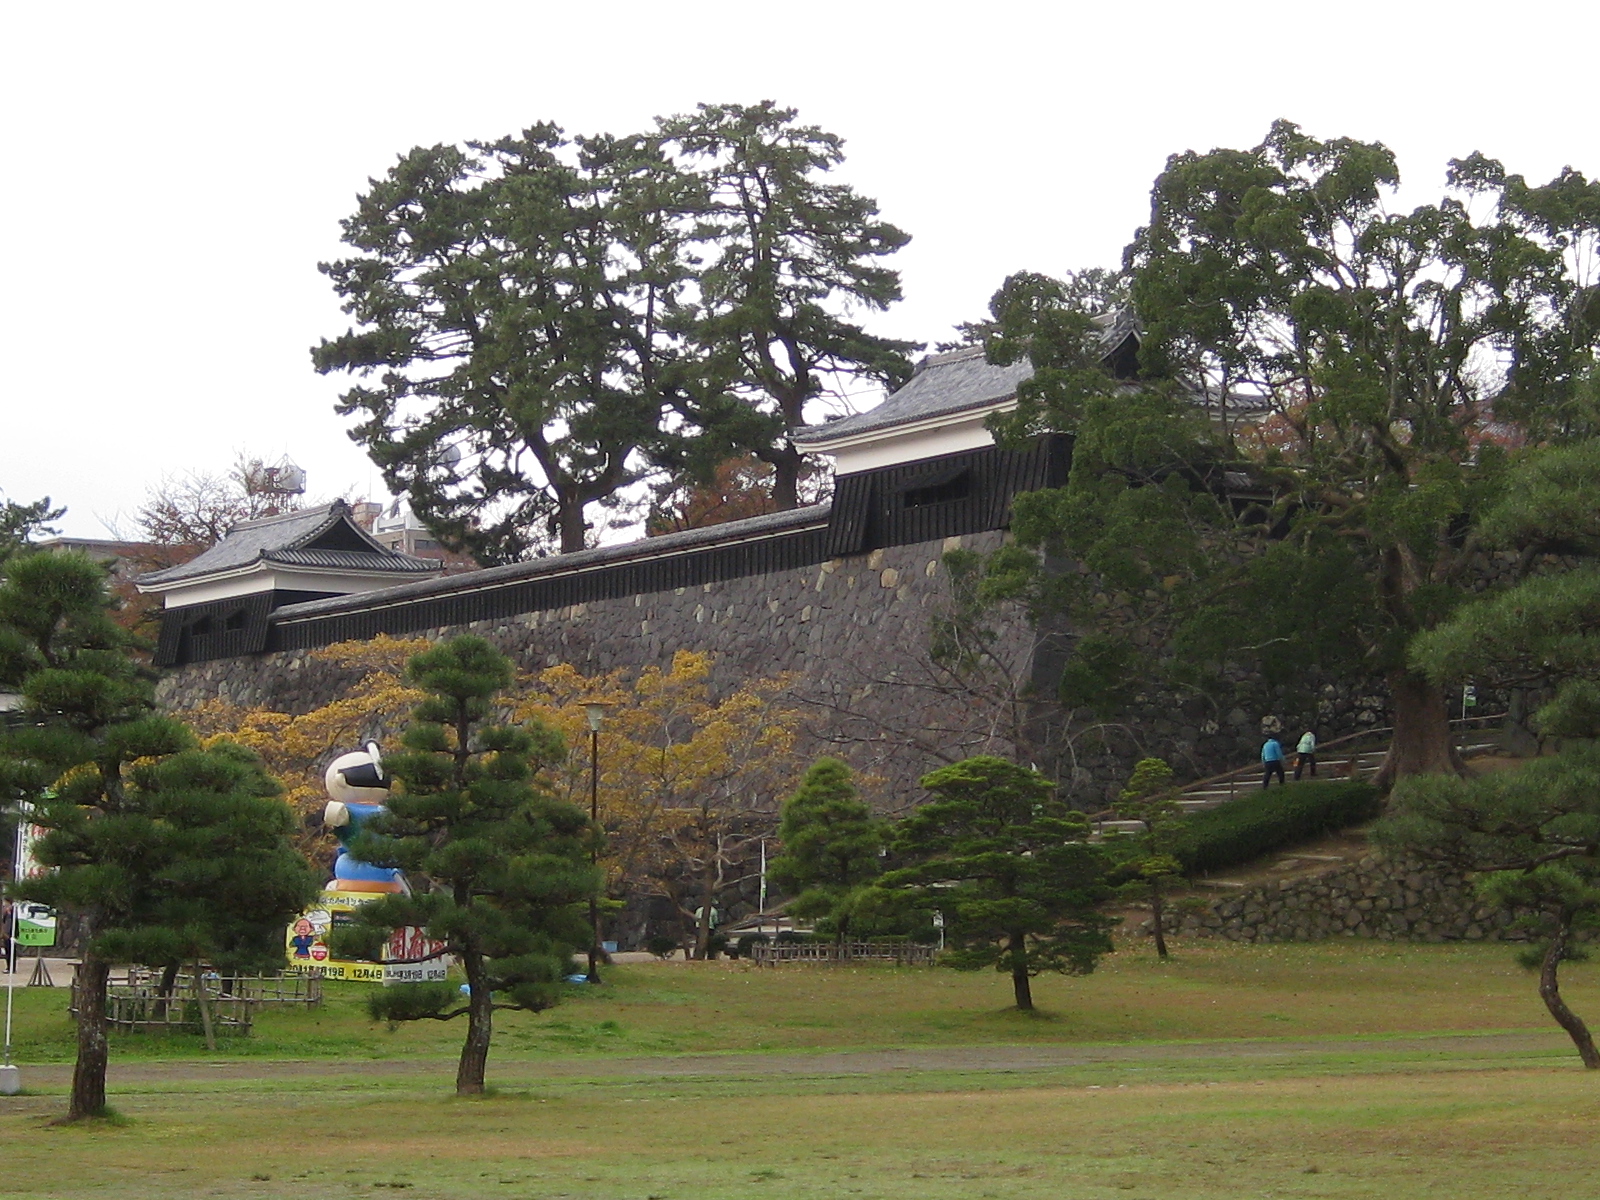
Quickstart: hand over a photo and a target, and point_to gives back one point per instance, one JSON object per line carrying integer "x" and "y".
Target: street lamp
{"x": 596, "y": 711}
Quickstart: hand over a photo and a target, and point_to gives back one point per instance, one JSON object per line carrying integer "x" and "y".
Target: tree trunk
{"x": 702, "y": 925}
{"x": 1550, "y": 993}
{"x": 1157, "y": 908}
{"x": 1422, "y": 744}
{"x": 569, "y": 517}
{"x": 89, "y": 1075}
{"x": 1021, "y": 985}
{"x": 787, "y": 463}
{"x": 480, "y": 1016}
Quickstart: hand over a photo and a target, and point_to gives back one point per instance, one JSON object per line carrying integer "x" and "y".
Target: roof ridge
{"x": 292, "y": 514}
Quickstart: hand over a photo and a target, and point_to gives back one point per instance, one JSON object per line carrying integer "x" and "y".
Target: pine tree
{"x": 1531, "y": 836}
{"x": 162, "y": 850}
{"x": 499, "y": 869}
{"x": 790, "y": 257}
{"x": 831, "y": 847}
{"x": 1149, "y": 799}
{"x": 1012, "y": 870}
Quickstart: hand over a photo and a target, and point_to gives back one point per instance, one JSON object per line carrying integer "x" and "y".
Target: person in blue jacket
{"x": 1272, "y": 763}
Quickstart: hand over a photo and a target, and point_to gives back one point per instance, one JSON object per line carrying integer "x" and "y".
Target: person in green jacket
{"x": 1306, "y": 755}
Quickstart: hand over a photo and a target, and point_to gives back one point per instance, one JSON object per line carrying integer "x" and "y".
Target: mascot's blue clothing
{"x": 346, "y": 867}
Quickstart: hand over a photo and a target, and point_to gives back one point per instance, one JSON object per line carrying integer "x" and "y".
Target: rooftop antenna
{"x": 277, "y": 482}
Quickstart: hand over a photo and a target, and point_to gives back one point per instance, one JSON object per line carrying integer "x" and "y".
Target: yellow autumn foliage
{"x": 297, "y": 748}
{"x": 687, "y": 778}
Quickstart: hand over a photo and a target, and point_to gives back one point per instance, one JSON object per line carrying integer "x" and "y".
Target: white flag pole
{"x": 10, "y": 1077}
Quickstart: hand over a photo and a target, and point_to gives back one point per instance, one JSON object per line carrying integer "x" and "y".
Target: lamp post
{"x": 596, "y": 711}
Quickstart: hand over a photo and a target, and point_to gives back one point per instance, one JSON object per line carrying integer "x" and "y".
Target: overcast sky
{"x": 176, "y": 172}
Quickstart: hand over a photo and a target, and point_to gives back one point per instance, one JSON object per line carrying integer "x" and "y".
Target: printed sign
{"x": 36, "y": 924}
{"x": 408, "y": 957}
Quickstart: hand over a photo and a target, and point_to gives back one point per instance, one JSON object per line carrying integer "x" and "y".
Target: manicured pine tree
{"x": 499, "y": 869}
{"x": 1531, "y": 836}
{"x": 1012, "y": 870}
{"x": 831, "y": 847}
{"x": 1149, "y": 799}
{"x": 162, "y": 851}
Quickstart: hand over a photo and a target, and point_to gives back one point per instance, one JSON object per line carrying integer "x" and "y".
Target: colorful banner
{"x": 408, "y": 957}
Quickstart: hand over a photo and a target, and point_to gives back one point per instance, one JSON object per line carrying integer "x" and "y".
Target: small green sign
{"x": 36, "y": 925}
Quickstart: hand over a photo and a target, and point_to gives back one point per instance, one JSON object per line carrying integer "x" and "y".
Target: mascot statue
{"x": 357, "y": 787}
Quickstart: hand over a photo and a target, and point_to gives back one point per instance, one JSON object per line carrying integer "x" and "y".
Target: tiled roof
{"x": 555, "y": 564}
{"x": 290, "y": 539}
{"x": 945, "y": 384}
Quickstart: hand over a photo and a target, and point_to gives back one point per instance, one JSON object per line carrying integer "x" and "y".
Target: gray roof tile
{"x": 944, "y": 384}
{"x": 555, "y": 564}
{"x": 288, "y": 539}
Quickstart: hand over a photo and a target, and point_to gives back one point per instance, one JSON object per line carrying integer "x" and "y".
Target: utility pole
{"x": 596, "y": 712}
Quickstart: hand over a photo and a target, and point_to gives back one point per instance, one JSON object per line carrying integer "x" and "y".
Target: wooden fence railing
{"x": 210, "y": 1004}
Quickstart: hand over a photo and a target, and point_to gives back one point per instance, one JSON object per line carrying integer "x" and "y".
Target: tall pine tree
{"x": 161, "y": 850}
{"x": 499, "y": 869}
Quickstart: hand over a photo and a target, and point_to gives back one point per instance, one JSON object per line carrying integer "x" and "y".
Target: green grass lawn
{"x": 1340, "y": 1102}
{"x": 1207, "y": 991}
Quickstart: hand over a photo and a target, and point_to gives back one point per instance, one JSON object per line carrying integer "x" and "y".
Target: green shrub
{"x": 660, "y": 946}
{"x": 741, "y": 948}
{"x": 1244, "y": 829}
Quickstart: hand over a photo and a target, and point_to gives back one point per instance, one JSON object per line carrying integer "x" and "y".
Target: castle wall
{"x": 853, "y": 630}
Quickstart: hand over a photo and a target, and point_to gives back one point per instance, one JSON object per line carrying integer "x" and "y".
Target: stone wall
{"x": 1375, "y": 897}
{"x": 853, "y": 631}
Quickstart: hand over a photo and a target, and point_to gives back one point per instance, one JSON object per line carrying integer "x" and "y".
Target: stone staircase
{"x": 1355, "y": 756}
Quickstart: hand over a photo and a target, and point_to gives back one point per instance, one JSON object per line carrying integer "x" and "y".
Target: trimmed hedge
{"x": 1244, "y": 829}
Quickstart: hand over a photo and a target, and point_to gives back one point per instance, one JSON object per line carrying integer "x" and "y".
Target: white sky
{"x": 177, "y": 171}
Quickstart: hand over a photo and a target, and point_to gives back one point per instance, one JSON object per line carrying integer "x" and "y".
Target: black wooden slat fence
{"x": 899, "y": 505}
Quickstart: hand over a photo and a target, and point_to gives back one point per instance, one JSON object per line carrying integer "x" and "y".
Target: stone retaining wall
{"x": 1374, "y": 897}
{"x": 854, "y": 632}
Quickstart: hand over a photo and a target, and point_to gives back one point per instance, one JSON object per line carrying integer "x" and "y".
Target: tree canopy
{"x": 689, "y": 778}
{"x": 1325, "y": 384}
{"x": 21, "y": 523}
{"x": 542, "y": 320}
{"x": 163, "y": 851}
{"x": 831, "y": 847}
{"x": 789, "y": 255}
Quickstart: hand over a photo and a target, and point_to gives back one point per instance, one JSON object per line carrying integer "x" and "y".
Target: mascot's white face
{"x": 357, "y": 778}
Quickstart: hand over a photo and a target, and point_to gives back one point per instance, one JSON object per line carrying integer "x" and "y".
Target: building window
{"x": 939, "y": 490}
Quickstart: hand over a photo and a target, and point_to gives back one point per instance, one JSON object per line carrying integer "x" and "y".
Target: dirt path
{"x": 525, "y": 1072}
